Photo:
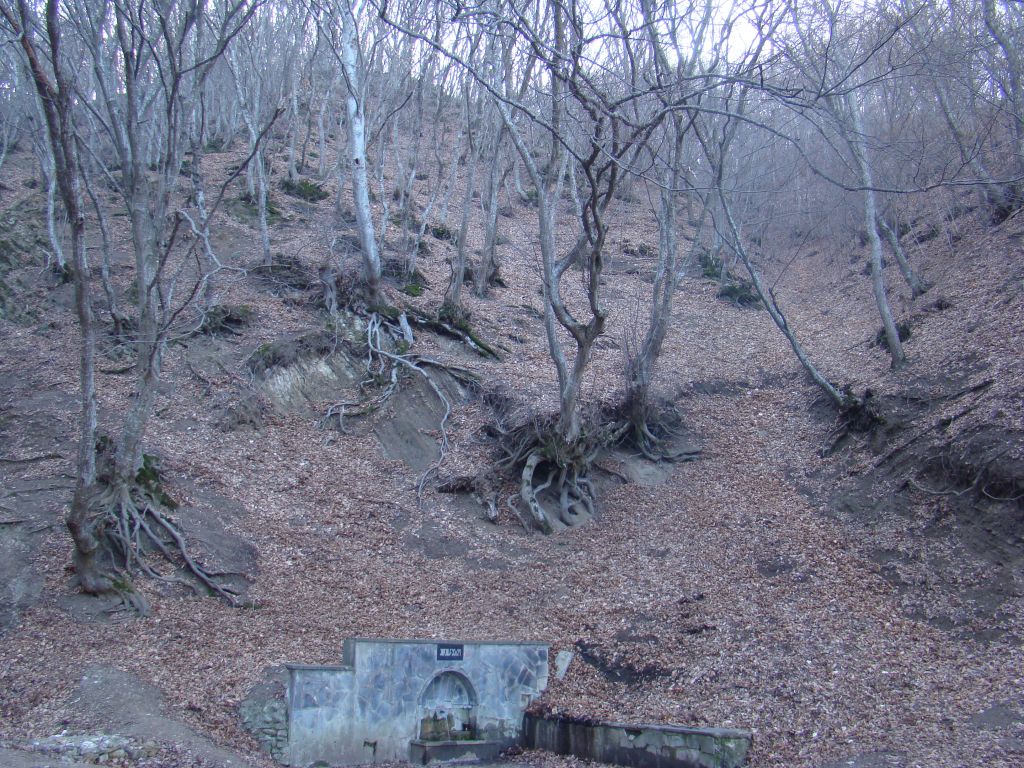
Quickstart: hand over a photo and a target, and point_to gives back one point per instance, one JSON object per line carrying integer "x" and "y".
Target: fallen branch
{"x": 460, "y": 331}
{"x": 31, "y": 459}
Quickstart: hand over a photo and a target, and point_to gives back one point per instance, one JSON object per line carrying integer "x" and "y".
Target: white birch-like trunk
{"x": 355, "y": 104}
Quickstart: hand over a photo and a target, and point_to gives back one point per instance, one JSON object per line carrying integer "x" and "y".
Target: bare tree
{"x": 54, "y": 86}
{"x": 609, "y": 140}
{"x": 257, "y": 97}
{"x": 1005, "y": 24}
{"x": 918, "y": 286}
{"x": 679, "y": 91}
{"x": 829, "y": 55}
{"x": 339, "y": 23}
{"x": 473, "y": 113}
{"x": 143, "y": 114}
{"x": 513, "y": 86}
{"x": 716, "y": 134}
{"x": 14, "y": 107}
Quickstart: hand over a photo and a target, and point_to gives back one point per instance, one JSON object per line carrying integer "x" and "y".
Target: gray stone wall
{"x": 639, "y": 746}
{"x": 91, "y": 748}
{"x": 264, "y": 713}
{"x": 371, "y": 707}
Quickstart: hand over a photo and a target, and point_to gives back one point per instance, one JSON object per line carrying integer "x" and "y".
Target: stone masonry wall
{"x": 264, "y": 713}
{"x": 369, "y": 709}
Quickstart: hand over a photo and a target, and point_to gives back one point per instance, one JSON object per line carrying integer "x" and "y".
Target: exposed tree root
{"x": 575, "y": 492}
{"x": 30, "y": 459}
{"x": 858, "y": 415}
{"x": 653, "y": 431}
{"x": 553, "y": 474}
{"x": 387, "y": 344}
{"x": 127, "y": 521}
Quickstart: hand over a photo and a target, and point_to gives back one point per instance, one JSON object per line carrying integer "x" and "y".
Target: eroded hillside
{"x": 854, "y": 599}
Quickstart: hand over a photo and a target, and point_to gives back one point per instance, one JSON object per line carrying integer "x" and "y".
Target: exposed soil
{"x": 110, "y": 698}
{"x": 409, "y": 428}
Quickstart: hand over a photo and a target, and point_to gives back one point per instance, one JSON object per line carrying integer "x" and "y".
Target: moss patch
{"x": 149, "y": 480}
{"x": 247, "y": 209}
{"x": 412, "y": 289}
{"x": 441, "y": 232}
{"x": 741, "y": 293}
{"x": 710, "y": 265}
{"x": 286, "y": 352}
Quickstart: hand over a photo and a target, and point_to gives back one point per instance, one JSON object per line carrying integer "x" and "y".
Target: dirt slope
{"x": 828, "y": 604}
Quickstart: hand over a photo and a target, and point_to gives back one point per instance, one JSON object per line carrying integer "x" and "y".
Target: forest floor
{"x": 860, "y": 608}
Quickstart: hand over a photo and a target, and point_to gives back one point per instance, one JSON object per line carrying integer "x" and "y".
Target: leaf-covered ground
{"x": 733, "y": 594}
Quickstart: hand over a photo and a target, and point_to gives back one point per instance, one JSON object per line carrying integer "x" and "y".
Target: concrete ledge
{"x": 319, "y": 667}
{"x": 639, "y": 746}
{"x": 348, "y": 650}
{"x": 425, "y": 752}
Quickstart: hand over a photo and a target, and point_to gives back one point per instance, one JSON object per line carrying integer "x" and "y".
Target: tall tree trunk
{"x": 149, "y": 341}
{"x": 355, "y": 103}
{"x": 201, "y": 227}
{"x": 121, "y": 321}
{"x": 488, "y": 268}
{"x": 918, "y": 287}
{"x": 1015, "y": 77}
{"x": 262, "y": 199}
{"x": 640, "y": 365}
{"x": 996, "y": 196}
{"x": 293, "y": 128}
{"x": 453, "y": 295}
{"x": 56, "y": 102}
{"x": 855, "y": 140}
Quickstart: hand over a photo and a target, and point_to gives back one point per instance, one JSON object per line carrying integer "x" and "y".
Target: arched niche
{"x": 448, "y": 708}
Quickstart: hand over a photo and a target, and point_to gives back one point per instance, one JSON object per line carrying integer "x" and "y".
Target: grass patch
{"x": 304, "y": 189}
{"x": 741, "y": 293}
{"x": 149, "y": 480}
{"x": 441, "y": 232}
{"x": 247, "y": 209}
{"x": 412, "y": 289}
{"x": 226, "y": 319}
{"x": 733, "y": 288}
{"x": 710, "y": 265}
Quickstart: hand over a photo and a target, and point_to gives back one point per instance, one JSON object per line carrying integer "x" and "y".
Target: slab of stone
{"x": 562, "y": 661}
{"x": 426, "y": 752}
